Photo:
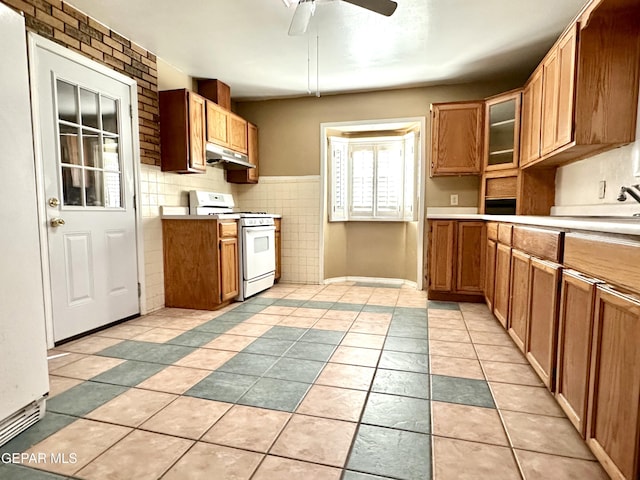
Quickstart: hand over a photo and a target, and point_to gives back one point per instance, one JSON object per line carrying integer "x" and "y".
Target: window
{"x": 372, "y": 178}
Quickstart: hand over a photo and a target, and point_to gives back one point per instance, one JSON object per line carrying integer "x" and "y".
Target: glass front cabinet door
{"x": 502, "y": 131}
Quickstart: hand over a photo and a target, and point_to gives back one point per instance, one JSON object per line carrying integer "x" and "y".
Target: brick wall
{"x": 71, "y": 28}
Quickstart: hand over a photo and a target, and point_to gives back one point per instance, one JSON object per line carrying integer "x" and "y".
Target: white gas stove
{"x": 256, "y": 239}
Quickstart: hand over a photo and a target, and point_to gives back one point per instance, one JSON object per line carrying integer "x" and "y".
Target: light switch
{"x": 454, "y": 199}
{"x": 602, "y": 188}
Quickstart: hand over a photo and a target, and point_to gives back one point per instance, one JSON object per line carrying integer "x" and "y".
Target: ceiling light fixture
{"x": 302, "y": 16}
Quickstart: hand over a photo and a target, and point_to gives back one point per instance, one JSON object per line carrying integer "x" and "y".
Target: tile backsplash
{"x": 295, "y": 198}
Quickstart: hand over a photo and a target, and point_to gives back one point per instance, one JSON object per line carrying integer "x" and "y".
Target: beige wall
{"x": 290, "y": 145}
{"x": 170, "y": 78}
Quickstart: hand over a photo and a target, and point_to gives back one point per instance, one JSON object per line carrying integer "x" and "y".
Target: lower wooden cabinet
{"x": 200, "y": 263}
{"x": 456, "y": 260}
{"x": 613, "y": 428}
{"x": 519, "y": 307}
{"x": 575, "y": 330}
{"x": 502, "y": 284}
{"x": 544, "y": 296}
{"x": 490, "y": 272}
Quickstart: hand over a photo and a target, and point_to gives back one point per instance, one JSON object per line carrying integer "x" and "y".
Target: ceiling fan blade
{"x": 301, "y": 17}
{"x": 383, "y": 7}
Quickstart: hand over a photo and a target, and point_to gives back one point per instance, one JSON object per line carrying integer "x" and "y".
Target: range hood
{"x": 227, "y": 158}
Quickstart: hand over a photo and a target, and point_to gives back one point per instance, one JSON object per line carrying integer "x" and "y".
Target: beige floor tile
{"x": 300, "y": 296}
{"x": 466, "y": 307}
{"x": 375, "y": 317}
{"x": 340, "y": 315}
{"x": 186, "y": 417}
{"x": 88, "y": 367}
{"x": 332, "y": 402}
{"x": 214, "y": 462}
{"x": 488, "y": 326}
{"x": 328, "y": 324}
{"x": 456, "y": 367}
{"x": 140, "y": 456}
{"x": 84, "y": 438}
{"x": 124, "y": 331}
{"x": 132, "y": 407}
{"x": 449, "y": 323}
{"x": 57, "y": 385}
{"x": 249, "y": 428}
{"x": 451, "y": 349}
{"x": 187, "y": 323}
{"x": 346, "y": 376}
{"x": 153, "y": 321}
{"x": 58, "y": 359}
{"x": 205, "y": 358}
{"x": 449, "y": 335}
{"x": 450, "y": 314}
{"x": 489, "y": 338}
{"x": 158, "y": 335}
{"x": 465, "y": 422}
{"x": 523, "y": 398}
{"x": 299, "y": 322}
{"x": 234, "y": 343}
{"x": 373, "y": 328}
{"x": 516, "y": 373}
{"x": 461, "y": 460}
{"x": 497, "y": 353}
{"x": 249, "y": 329}
{"x": 309, "y": 312}
{"x": 277, "y": 468}
{"x": 174, "y": 379}
{"x": 89, "y": 345}
{"x": 365, "y": 357}
{"x": 540, "y": 466}
{"x": 544, "y": 434}
{"x": 278, "y": 310}
{"x": 264, "y": 319}
{"x": 317, "y": 440}
{"x": 363, "y": 340}
{"x": 382, "y": 301}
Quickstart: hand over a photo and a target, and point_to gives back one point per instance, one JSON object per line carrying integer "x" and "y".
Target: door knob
{"x": 56, "y": 222}
{"x": 54, "y": 202}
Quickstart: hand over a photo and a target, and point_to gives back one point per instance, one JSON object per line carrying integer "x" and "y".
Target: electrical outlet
{"x": 602, "y": 188}
{"x": 454, "y": 199}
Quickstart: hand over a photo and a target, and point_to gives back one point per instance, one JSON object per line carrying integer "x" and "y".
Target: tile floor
{"x": 302, "y": 382}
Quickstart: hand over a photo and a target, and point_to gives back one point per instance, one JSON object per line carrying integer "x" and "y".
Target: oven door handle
{"x": 265, "y": 228}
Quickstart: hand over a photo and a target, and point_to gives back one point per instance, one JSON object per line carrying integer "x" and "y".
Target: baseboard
{"x": 375, "y": 280}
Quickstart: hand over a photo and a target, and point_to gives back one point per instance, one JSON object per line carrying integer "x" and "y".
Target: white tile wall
{"x": 297, "y": 199}
{"x": 164, "y": 188}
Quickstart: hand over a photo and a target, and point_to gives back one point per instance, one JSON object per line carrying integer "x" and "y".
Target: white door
{"x": 87, "y": 162}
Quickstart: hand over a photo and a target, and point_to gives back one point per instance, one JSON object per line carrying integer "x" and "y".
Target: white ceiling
{"x": 245, "y": 44}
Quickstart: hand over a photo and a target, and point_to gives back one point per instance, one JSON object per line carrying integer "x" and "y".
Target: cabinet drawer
{"x": 614, "y": 260}
{"x": 504, "y": 187}
{"x": 228, "y": 229}
{"x": 538, "y": 242}
{"x": 505, "y": 232}
{"x": 492, "y": 230}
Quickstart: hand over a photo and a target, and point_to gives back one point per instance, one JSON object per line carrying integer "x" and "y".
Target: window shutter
{"x": 389, "y": 177}
{"x": 338, "y": 148}
{"x": 362, "y": 180}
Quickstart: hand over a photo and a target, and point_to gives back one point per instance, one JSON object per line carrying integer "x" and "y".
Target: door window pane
{"x": 69, "y": 150}
{"x": 110, "y": 157}
{"x": 89, "y": 108}
{"x": 112, "y": 190}
{"x": 94, "y": 188}
{"x": 67, "y": 102}
{"x": 91, "y": 149}
{"x": 109, "y": 114}
{"x": 72, "y": 186}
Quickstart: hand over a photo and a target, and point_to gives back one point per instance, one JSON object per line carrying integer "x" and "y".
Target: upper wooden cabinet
{"x": 502, "y": 131}
{"x": 217, "y": 124}
{"x": 182, "y": 131}
{"x": 249, "y": 175}
{"x": 237, "y": 133}
{"x": 583, "y": 98}
{"x": 457, "y": 138}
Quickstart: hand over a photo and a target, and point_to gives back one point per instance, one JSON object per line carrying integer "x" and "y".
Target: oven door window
{"x": 258, "y": 255}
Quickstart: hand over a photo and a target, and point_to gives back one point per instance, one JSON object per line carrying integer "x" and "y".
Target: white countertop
{"x": 619, "y": 225}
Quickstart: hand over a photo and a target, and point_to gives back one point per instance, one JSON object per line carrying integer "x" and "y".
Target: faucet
{"x": 622, "y": 196}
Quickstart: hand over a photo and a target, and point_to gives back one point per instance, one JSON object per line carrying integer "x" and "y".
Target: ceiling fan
{"x": 305, "y": 8}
